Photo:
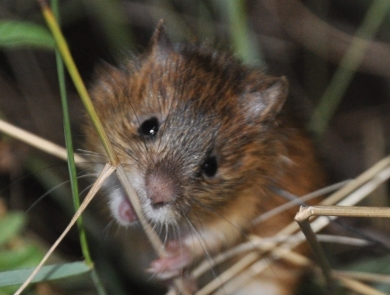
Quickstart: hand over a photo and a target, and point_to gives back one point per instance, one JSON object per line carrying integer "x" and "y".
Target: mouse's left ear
{"x": 267, "y": 101}
{"x": 160, "y": 44}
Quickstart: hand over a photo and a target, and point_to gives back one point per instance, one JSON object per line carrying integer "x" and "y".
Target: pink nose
{"x": 160, "y": 188}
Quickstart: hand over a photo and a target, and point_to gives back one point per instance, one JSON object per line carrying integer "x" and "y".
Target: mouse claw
{"x": 177, "y": 258}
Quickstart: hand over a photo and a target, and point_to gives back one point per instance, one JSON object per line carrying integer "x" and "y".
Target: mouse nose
{"x": 160, "y": 188}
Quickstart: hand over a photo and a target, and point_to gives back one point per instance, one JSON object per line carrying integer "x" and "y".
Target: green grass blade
{"x": 78, "y": 82}
{"x": 69, "y": 148}
{"x": 47, "y": 273}
{"x": 19, "y": 33}
{"x": 343, "y": 76}
{"x": 72, "y": 166}
{"x": 244, "y": 42}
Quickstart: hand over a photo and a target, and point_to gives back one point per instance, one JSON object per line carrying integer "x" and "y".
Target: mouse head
{"x": 194, "y": 128}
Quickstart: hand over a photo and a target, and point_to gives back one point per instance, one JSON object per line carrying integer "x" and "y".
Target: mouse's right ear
{"x": 106, "y": 82}
{"x": 160, "y": 44}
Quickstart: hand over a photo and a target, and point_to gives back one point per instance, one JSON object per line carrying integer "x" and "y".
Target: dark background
{"x": 303, "y": 41}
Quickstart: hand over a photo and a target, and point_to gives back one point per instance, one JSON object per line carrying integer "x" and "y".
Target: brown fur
{"x": 207, "y": 103}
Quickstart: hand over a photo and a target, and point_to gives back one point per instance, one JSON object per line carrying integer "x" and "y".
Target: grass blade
{"x": 76, "y": 78}
{"x": 106, "y": 172}
{"x": 19, "y": 33}
{"x": 47, "y": 273}
{"x": 343, "y": 76}
{"x": 69, "y": 148}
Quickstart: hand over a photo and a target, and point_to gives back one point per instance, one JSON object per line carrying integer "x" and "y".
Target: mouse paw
{"x": 177, "y": 258}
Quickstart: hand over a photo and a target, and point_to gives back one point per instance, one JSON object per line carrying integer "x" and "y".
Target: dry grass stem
{"x": 359, "y": 181}
{"x": 307, "y": 212}
{"x": 355, "y": 197}
{"x": 257, "y": 241}
{"x": 359, "y": 287}
{"x": 38, "y": 142}
{"x": 60, "y": 152}
{"x": 364, "y": 276}
{"x": 351, "y": 194}
{"x": 342, "y": 240}
{"x": 151, "y": 234}
{"x": 229, "y": 274}
{"x": 375, "y": 149}
{"x": 133, "y": 198}
{"x": 357, "y": 190}
{"x": 106, "y": 172}
{"x": 299, "y": 201}
{"x": 261, "y": 265}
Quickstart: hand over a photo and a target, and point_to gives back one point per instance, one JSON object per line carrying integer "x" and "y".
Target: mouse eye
{"x": 210, "y": 166}
{"x": 149, "y": 127}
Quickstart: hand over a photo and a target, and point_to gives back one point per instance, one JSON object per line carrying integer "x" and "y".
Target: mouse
{"x": 205, "y": 140}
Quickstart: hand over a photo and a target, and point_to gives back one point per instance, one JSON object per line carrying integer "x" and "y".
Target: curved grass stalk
{"x": 38, "y": 142}
{"x": 353, "y": 192}
{"x": 107, "y": 171}
{"x": 76, "y": 78}
{"x": 348, "y": 66}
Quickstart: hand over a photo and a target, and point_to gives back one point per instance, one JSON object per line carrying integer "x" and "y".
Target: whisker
{"x": 106, "y": 229}
{"x": 50, "y": 191}
{"x": 176, "y": 231}
{"x": 87, "y": 188}
{"x": 204, "y": 246}
{"x": 166, "y": 233}
{"x": 44, "y": 195}
{"x": 31, "y": 173}
{"x": 295, "y": 200}
{"x": 90, "y": 153}
{"x": 242, "y": 232}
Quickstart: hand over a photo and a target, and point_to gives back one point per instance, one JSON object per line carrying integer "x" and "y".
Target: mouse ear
{"x": 267, "y": 102}
{"x": 160, "y": 42}
{"x": 106, "y": 80}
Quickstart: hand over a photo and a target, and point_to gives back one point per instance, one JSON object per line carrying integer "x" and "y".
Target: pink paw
{"x": 178, "y": 257}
